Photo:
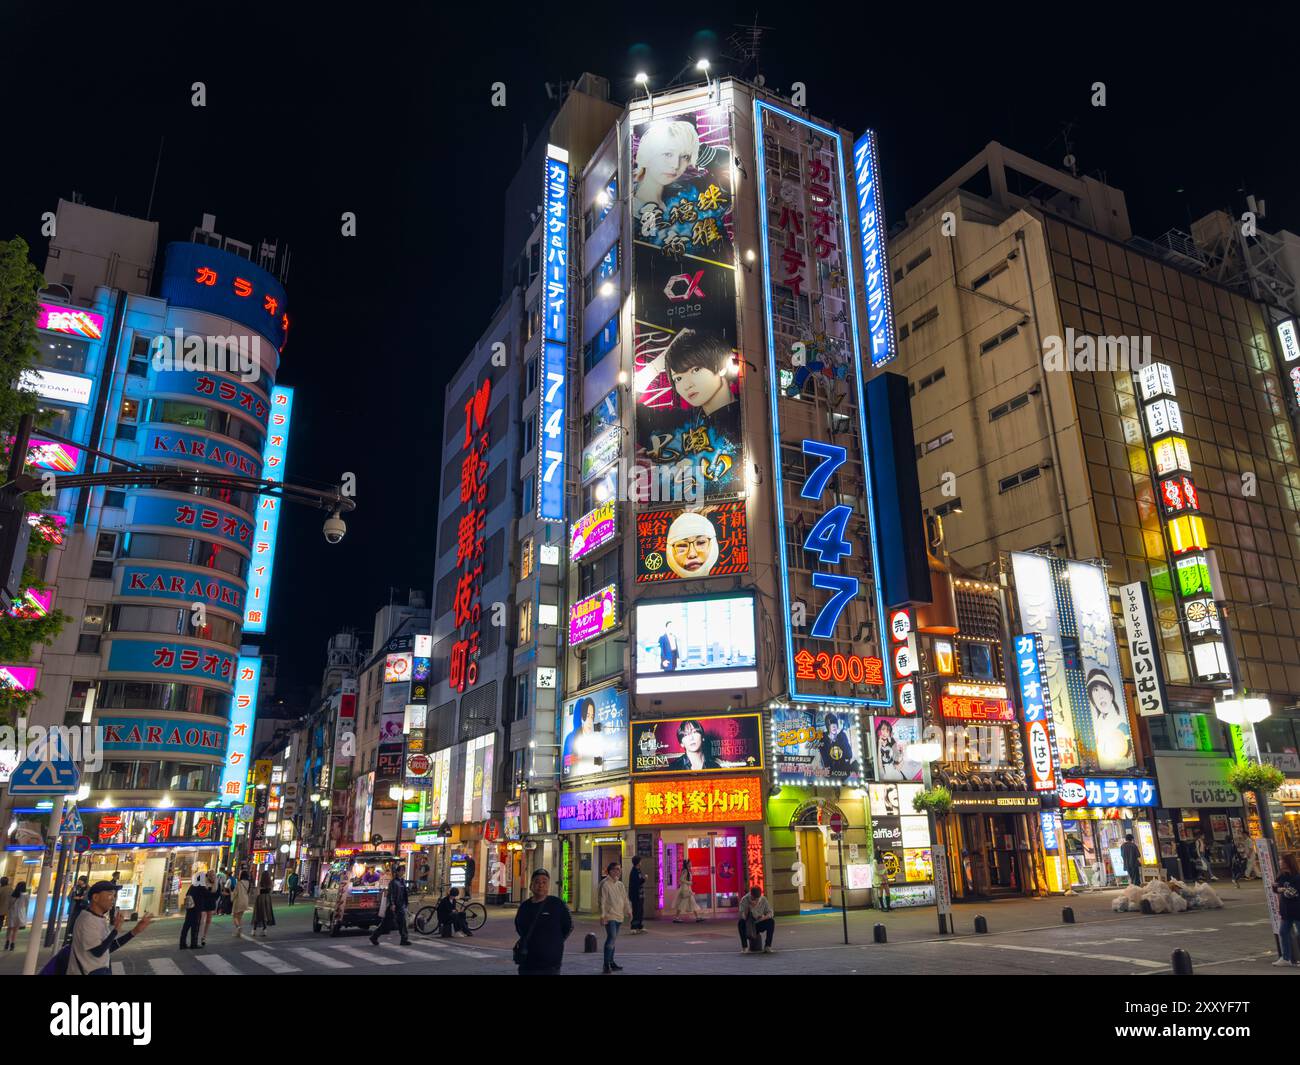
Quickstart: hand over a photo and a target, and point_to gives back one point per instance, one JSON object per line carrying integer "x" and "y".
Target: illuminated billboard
{"x": 268, "y": 512}
{"x": 243, "y": 712}
{"x": 594, "y": 529}
{"x": 397, "y": 668}
{"x": 811, "y": 747}
{"x": 892, "y": 736}
{"x": 190, "y": 516}
{"x": 720, "y": 800}
{"x": 176, "y": 658}
{"x": 555, "y": 337}
{"x": 49, "y": 455}
{"x": 62, "y": 387}
{"x": 686, "y": 378}
{"x": 211, "y": 279}
{"x": 811, "y": 306}
{"x": 581, "y": 811}
{"x": 72, "y": 321}
{"x": 695, "y": 644}
{"x": 875, "y": 263}
{"x": 697, "y": 744}
{"x": 595, "y": 734}
{"x": 593, "y": 615}
{"x": 684, "y": 544}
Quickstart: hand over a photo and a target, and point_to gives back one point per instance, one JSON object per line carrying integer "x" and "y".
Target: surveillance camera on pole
{"x": 335, "y": 528}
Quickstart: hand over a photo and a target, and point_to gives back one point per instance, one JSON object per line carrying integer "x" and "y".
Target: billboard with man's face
{"x": 696, "y": 644}
{"x": 685, "y": 544}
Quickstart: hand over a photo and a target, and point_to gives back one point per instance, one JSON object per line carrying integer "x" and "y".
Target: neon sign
{"x": 875, "y": 263}
{"x": 1036, "y": 702}
{"x": 856, "y": 669}
{"x": 968, "y": 708}
{"x": 555, "y": 338}
{"x": 74, "y": 323}
{"x": 243, "y": 712}
{"x": 470, "y": 543}
{"x": 268, "y": 512}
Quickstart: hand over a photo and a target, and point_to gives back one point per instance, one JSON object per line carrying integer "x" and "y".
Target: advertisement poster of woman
{"x": 893, "y": 736}
{"x": 686, "y": 375}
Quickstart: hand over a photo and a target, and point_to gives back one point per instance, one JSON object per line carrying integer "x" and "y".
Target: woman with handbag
{"x": 543, "y": 924}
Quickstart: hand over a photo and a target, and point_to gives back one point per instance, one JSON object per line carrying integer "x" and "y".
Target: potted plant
{"x": 1258, "y": 779}
{"x": 936, "y": 800}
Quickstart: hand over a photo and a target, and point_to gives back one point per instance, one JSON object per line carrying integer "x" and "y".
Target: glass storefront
{"x": 717, "y": 868}
{"x": 1093, "y": 838}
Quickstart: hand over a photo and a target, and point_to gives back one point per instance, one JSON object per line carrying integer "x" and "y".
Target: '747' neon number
{"x": 828, "y": 539}
{"x": 553, "y": 426}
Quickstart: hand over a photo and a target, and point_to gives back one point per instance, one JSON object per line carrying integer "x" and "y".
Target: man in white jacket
{"x": 614, "y": 908}
{"x": 755, "y": 905}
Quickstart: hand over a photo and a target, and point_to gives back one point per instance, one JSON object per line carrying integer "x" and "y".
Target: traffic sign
{"x": 71, "y": 824}
{"x": 50, "y": 777}
{"x": 81, "y": 844}
{"x": 836, "y": 822}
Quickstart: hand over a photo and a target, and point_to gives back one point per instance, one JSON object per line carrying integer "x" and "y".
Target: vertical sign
{"x": 258, "y": 603}
{"x": 1144, "y": 651}
{"x": 1036, "y": 704}
{"x": 555, "y": 338}
{"x": 470, "y": 542}
{"x": 875, "y": 264}
{"x": 811, "y": 317}
{"x": 239, "y": 743}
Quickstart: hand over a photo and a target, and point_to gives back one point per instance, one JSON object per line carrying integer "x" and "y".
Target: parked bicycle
{"x": 426, "y": 918}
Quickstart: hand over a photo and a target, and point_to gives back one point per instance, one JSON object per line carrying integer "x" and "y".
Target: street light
{"x": 643, "y": 79}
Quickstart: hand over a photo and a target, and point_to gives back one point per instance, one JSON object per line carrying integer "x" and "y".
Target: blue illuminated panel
{"x": 827, "y": 546}
{"x": 875, "y": 264}
{"x": 555, "y": 338}
{"x": 243, "y": 711}
{"x": 267, "y": 518}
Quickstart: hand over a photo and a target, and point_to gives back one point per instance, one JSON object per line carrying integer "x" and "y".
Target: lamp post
{"x": 1245, "y": 712}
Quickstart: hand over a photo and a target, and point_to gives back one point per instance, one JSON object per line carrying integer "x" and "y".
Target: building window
{"x": 914, "y": 263}
{"x": 92, "y": 625}
{"x": 77, "y": 694}
{"x": 929, "y": 380}
{"x": 522, "y": 684}
{"x": 526, "y": 558}
{"x": 530, "y": 375}
{"x": 1017, "y": 479}
{"x": 526, "y": 497}
{"x": 106, "y": 545}
{"x": 934, "y": 445}
{"x": 525, "y": 622}
{"x": 534, "y": 320}
{"x": 925, "y": 319}
{"x": 985, "y": 278}
{"x": 604, "y": 269}
{"x": 600, "y": 345}
{"x": 1003, "y": 409}
{"x": 528, "y": 438}
{"x": 61, "y": 353}
{"x": 903, "y": 331}
{"x": 141, "y": 347}
{"x": 953, "y": 506}
{"x": 1001, "y": 338}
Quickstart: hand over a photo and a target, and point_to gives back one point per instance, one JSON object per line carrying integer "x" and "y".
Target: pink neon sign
{"x": 73, "y": 322}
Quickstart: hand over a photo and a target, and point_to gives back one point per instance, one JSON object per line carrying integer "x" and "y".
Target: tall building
{"x": 1084, "y": 394}
{"x": 161, "y": 585}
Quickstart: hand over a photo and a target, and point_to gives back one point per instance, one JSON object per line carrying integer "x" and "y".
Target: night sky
{"x": 389, "y": 116}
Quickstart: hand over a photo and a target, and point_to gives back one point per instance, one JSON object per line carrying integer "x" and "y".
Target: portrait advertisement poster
{"x": 891, "y": 737}
{"x": 816, "y": 746}
{"x": 696, "y": 644}
{"x": 595, "y": 726}
{"x": 594, "y": 615}
{"x": 683, "y": 544}
{"x": 686, "y": 378}
{"x": 594, "y": 529}
{"x": 697, "y": 744}
{"x": 1099, "y": 661}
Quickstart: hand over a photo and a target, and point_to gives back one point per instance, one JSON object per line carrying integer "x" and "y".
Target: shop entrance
{"x": 716, "y": 865}
{"x": 815, "y": 890}
{"x": 991, "y": 854}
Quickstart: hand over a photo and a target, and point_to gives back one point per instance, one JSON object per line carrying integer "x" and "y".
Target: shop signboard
{"x": 593, "y": 530}
{"x": 554, "y": 391}
{"x": 595, "y": 734}
{"x": 1108, "y": 792}
{"x": 1036, "y": 705}
{"x": 594, "y": 615}
{"x": 191, "y": 516}
{"x": 942, "y": 886}
{"x": 70, "y": 320}
{"x": 155, "y": 657}
{"x": 1190, "y": 782}
{"x": 686, "y": 544}
{"x": 169, "y": 736}
{"x": 171, "y": 583}
{"x": 900, "y": 836}
{"x": 721, "y": 800}
{"x": 274, "y": 457}
{"x": 892, "y": 737}
{"x": 714, "y": 744}
{"x": 811, "y": 747}
{"x": 1143, "y": 649}
{"x": 705, "y": 644}
{"x": 581, "y": 811}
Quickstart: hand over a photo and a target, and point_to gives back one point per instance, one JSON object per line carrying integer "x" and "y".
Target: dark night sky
{"x": 388, "y": 115}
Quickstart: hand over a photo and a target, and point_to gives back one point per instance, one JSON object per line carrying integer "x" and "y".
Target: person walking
{"x": 1287, "y": 888}
{"x": 1132, "y": 859}
{"x": 6, "y": 891}
{"x": 211, "y": 897}
{"x": 17, "y": 913}
{"x": 1203, "y": 858}
{"x": 614, "y": 909}
{"x": 756, "y": 917}
{"x": 263, "y": 915}
{"x": 96, "y": 935}
{"x": 636, "y": 895}
{"x": 685, "y": 902}
{"x": 882, "y": 884}
{"x": 239, "y": 903}
{"x": 291, "y": 885}
{"x": 543, "y": 924}
{"x": 193, "y": 913}
{"x": 76, "y": 903}
{"x": 397, "y": 899}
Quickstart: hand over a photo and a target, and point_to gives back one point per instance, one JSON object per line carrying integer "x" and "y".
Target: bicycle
{"x": 426, "y": 918}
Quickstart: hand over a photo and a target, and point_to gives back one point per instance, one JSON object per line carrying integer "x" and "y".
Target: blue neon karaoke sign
{"x": 261, "y": 569}
{"x": 875, "y": 264}
{"x": 555, "y": 338}
{"x": 827, "y": 541}
{"x": 243, "y": 711}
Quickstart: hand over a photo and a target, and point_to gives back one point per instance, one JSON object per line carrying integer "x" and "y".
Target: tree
{"x": 20, "y": 283}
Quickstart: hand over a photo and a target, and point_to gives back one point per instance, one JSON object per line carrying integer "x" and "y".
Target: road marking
{"x": 268, "y": 959}
{"x": 1183, "y": 931}
{"x": 321, "y": 959}
{"x": 164, "y": 967}
{"x": 370, "y": 958}
{"x": 1065, "y": 953}
{"x": 216, "y": 964}
{"x": 1103, "y": 942}
{"x": 1248, "y": 924}
{"x": 469, "y": 952}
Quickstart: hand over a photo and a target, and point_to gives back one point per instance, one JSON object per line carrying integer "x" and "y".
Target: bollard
{"x": 1146, "y": 906}
{"x": 879, "y": 935}
{"x": 589, "y": 943}
{"x": 1067, "y": 915}
{"x": 1182, "y": 963}
{"x": 981, "y": 926}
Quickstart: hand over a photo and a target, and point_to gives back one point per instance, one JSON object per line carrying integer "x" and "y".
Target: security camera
{"x": 335, "y": 528}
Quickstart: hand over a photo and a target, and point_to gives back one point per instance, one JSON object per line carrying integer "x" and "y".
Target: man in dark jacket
{"x": 543, "y": 924}
{"x": 636, "y": 895}
{"x": 397, "y": 899}
{"x": 1132, "y": 860}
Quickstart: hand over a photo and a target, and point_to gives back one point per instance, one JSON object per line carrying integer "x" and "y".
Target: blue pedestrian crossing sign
{"x": 44, "y": 777}
{"x": 71, "y": 823}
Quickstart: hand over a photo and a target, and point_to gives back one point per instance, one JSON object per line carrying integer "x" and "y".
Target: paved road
{"x": 1027, "y": 937}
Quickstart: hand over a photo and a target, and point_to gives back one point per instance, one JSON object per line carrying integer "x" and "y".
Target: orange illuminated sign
{"x": 1187, "y": 533}
{"x": 754, "y": 859}
{"x": 825, "y": 666}
{"x": 692, "y": 802}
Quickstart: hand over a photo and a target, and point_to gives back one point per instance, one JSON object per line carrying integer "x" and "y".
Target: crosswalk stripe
{"x": 216, "y": 964}
{"x": 320, "y": 959}
{"x": 446, "y": 947}
{"x": 371, "y": 958}
{"x": 164, "y": 967}
{"x": 263, "y": 957}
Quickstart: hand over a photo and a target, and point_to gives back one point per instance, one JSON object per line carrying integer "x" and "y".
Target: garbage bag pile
{"x": 1168, "y": 896}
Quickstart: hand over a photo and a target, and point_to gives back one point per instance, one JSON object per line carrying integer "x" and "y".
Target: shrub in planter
{"x": 1256, "y": 778}
{"x": 938, "y": 800}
